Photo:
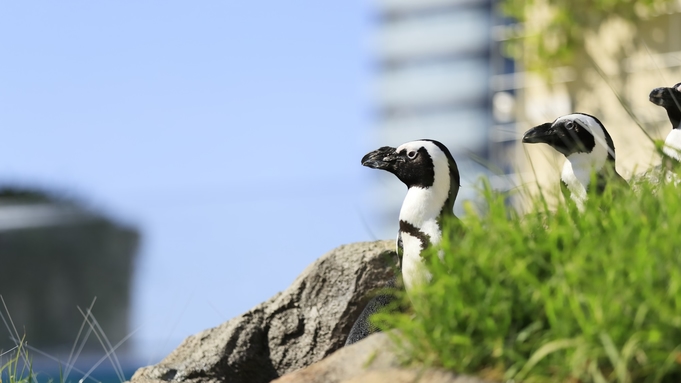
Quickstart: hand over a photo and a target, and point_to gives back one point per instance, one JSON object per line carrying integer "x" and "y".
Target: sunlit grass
{"x": 556, "y": 295}
{"x": 16, "y": 364}
{"x": 15, "y": 369}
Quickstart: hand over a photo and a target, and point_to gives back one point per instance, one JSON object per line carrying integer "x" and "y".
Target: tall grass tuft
{"x": 555, "y": 295}
{"x": 17, "y": 369}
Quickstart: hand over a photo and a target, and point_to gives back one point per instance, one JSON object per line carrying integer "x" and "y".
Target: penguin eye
{"x": 569, "y": 125}
{"x": 412, "y": 154}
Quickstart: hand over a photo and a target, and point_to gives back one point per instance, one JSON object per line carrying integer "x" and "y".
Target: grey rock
{"x": 372, "y": 360}
{"x": 402, "y": 375}
{"x": 295, "y": 328}
{"x": 373, "y": 353}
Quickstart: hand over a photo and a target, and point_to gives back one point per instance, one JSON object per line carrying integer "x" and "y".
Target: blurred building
{"x": 434, "y": 63}
{"x": 56, "y": 256}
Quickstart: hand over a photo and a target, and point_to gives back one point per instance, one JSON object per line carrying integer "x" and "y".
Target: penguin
{"x": 587, "y": 147}
{"x": 670, "y": 100}
{"x": 431, "y": 175}
{"x": 432, "y": 178}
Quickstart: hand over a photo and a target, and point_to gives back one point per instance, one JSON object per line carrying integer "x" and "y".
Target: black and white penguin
{"x": 587, "y": 147}
{"x": 432, "y": 178}
{"x": 670, "y": 100}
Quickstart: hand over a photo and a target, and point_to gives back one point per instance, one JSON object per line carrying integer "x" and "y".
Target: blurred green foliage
{"x": 555, "y": 295}
{"x": 553, "y": 32}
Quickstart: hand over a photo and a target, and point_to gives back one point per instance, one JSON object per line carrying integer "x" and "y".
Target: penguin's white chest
{"x": 577, "y": 177}
{"x": 414, "y": 271}
{"x": 672, "y": 144}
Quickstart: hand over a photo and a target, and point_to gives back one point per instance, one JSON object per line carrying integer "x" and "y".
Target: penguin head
{"x": 670, "y": 100}
{"x": 416, "y": 163}
{"x": 573, "y": 133}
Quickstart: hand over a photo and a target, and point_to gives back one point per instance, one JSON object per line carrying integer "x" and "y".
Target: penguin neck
{"x": 672, "y": 144}
{"x": 420, "y": 227}
{"x": 674, "y": 114}
{"x": 423, "y": 208}
{"x": 578, "y": 167}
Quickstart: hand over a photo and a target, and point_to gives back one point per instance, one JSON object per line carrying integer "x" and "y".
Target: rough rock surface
{"x": 396, "y": 375}
{"x": 371, "y": 360}
{"x": 295, "y": 328}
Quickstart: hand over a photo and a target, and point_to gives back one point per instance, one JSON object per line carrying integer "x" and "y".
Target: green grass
{"x": 17, "y": 369}
{"x": 555, "y": 295}
{"x": 16, "y": 364}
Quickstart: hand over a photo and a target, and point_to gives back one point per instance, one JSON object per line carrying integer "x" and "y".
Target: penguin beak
{"x": 659, "y": 96}
{"x": 543, "y": 133}
{"x": 383, "y": 158}
{"x": 665, "y": 97}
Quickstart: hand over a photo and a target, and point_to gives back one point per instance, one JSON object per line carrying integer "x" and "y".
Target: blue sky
{"x": 228, "y": 132}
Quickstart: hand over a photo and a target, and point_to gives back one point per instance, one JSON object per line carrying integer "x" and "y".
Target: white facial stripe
{"x": 596, "y": 131}
{"x": 678, "y": 87}
{"x": 416, "y": 145}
